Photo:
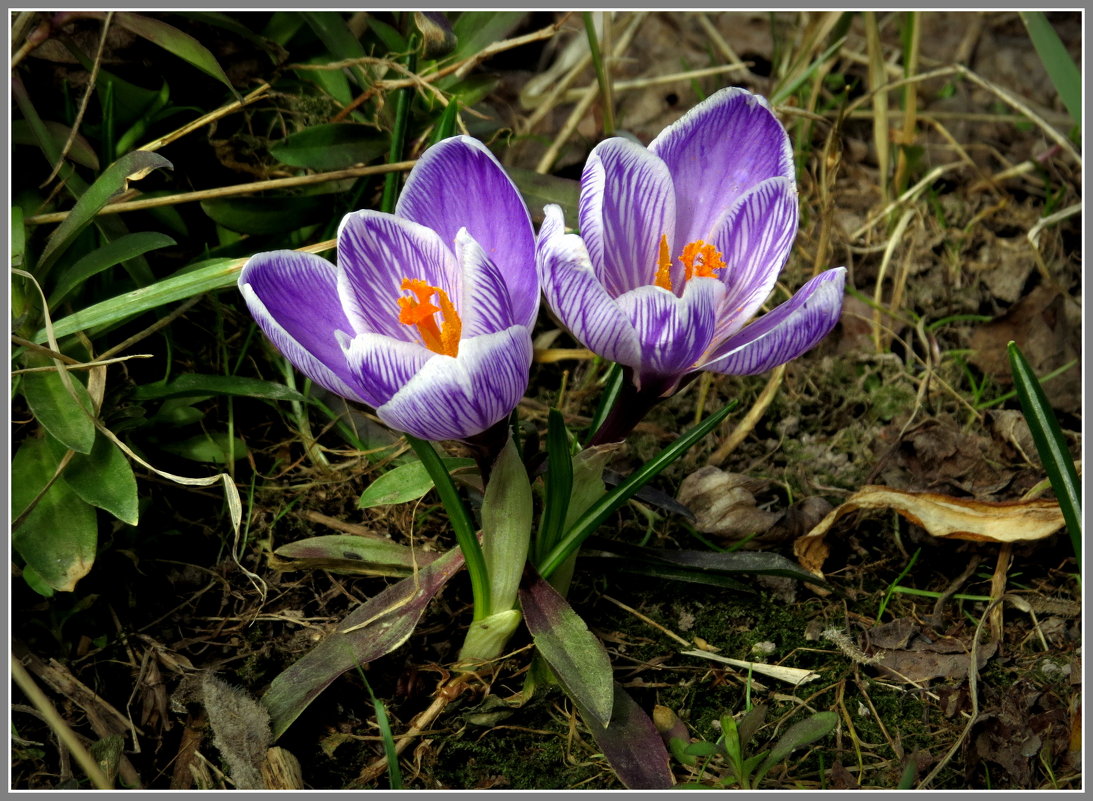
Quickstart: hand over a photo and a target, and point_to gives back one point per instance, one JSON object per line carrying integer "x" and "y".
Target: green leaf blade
{"x": 405, "y": 483}
{"x": 175, "y": 41}
{"x": 103, "y": 478}
{"x": 66, "y": 417}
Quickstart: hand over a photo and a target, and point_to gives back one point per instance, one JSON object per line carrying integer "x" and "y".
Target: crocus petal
{"x": 716, "y": 152}
{"x": 755, "y": 238}
{"x": 455, "y": 398}
{"x": 457, "y": 183}
{"x": 673, "y": 332}
{"x": 376, "y": 251}
{"x": 626, "y": 204}
{"x": 382, "y": 366}
{"x": 576, "y": 296}
{"x": 294, "y": 298}
{"x": 786, "y": 332}
{"x": 487, "y": 307}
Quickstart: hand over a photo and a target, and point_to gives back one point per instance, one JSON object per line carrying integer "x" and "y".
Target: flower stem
{"x": 461, "y": 522}
{"x": 630, "y": 407}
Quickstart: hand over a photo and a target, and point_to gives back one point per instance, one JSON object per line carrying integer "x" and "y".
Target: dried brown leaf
{"x": 941, "y": 516}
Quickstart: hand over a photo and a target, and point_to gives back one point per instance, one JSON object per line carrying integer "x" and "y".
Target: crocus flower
{"x": 680, "y": 245}
{"x": 427, "y": 315}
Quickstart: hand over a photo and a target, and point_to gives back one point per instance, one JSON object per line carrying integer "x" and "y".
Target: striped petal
{"x": 294, "y": 298}
{"x": 673, "y": 332}
{"x": 382, "y": 366}
{"x": 455, "y": 398}
{"x": 376, "y": 251}
{"x": 716, "y": 152}
{"x": 755, "y": 238}
{"x": 487, "y": 307}
{"x": 576, "y": 296}
{"x": 786, "y": 332}
{"x": 626, "y": 204}
{"x": 457, "y": 183}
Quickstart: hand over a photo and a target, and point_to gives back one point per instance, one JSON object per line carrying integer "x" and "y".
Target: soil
{"x": 907, "y": 393}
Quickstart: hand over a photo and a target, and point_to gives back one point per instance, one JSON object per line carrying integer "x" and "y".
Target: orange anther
{"x": 419, "y": 311}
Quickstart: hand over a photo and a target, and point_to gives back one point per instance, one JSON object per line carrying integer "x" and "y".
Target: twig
{"x": 83, "y": 102}
{"x": 212, "y": 116}
{"x": 232, "y": 191}
{"x": 755, "y": 413}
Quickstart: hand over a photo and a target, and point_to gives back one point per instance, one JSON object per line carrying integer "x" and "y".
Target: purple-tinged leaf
{"x": 632, "y": 745}
{"x": 375, "y": 628}
{"x": 574, "y": 653}
{"x": 346, "y": 553}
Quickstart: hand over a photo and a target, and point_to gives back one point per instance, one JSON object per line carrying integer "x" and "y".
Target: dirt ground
{"x": 909, "y": 393}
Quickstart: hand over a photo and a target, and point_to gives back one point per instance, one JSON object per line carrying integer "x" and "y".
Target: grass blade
{"x": 559, "y": 484}
{"x": 1060, "y": 66}
{"x": 602, "y": 509}
{"x": 384, "y": 725}
{"x": 175, "y": 41}
{"x": 1049, "y": 444}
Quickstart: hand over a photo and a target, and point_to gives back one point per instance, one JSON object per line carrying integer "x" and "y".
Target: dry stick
{"x": 907, "y": 197}
{"x": 755, "y": 413}
{"x": 723, "y": 47}
{"x": 973, "y": 693}
{"x": 232, "y": 191}
{"x": 84, "y": 102}
{"x": 204, "y": 120}
{"x": 163, "y": 322}
{"x": 585, "y": 102}
{"x": 910, "y": 98}
{"x": 897, "y": 290}
{"x": 880, "y": 100}
{"x": 57, "y": 724}
{"x": 645, "y": 83}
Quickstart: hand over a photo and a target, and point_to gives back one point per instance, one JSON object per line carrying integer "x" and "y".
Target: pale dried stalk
{"x": 893, "y": 241}
{"x": 233, "y": 191}
{"x": 204, "y": 120}
{"x": 754, "y": 415}
{"x": 645, "y": 83}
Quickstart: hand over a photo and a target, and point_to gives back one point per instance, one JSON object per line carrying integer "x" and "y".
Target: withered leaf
{"x": 941, "y": 516}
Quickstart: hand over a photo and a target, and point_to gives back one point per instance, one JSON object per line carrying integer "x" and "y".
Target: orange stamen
{"x": 664, "y": 265}
{"x": 420, "y": 311}
{"x": 708, "y": 257}
{"x": 699, "y": 260}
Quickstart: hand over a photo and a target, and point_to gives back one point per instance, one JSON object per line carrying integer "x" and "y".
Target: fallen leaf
{"x": 941, "y": 516}
{"x": 723, "y": 503}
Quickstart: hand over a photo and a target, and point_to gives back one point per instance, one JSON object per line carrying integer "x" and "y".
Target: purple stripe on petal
{"x": 577, "y": 298}
{"x": 716, "y": 152}
{"x": 627, "y": 203}
{"x": 455, "y": 398}
{"x": 382, "y": 366}
{"x": 376, "y": 252}
{"x": 486, "y": 306}
{"x": 457, "y": 183}
{"x": 673, "y": 332}
{"x": 787, "y": 331}
{"x": 755, "y": 239}
{"x": 294, "y": 298}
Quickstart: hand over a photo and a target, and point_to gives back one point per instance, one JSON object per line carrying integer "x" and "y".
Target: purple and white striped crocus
{"x": 680, "y": 245}
{"x": 427, "y": 315}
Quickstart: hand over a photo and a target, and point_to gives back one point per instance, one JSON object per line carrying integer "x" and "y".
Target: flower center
{"x": 420, "y": 311}
{"x": 699, "y": 260}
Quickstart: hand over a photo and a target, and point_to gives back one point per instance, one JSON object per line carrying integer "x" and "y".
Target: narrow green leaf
{"x": 574, "y": 653}
{"x": 345, "y": 553}
{"x": 214, "y": 447}
{"x": 18, "y": 237}
{"x": 191, "y": 384}
{"x": 797, "y": 736}
{"x": 445, "y": 126}
{"x": 375, "y": 628}
{"x": 632, "y": 745}
{"x": 333, "y": 146}
{"x": 612, "y": 500}
{"x": 122, "y": 249}
{"x": 80, "y": 152}
{"x": 59, "y": 536}
{"x": 1050, "y": 444}
{"x": 405, "y": 483}
{"x": 393, "y": 41}
{"x": 611, "y": 389}
{"x": 506, "y": 526}
{"x": 103, "y": 478}
{"x": 113, "y": 180}
{"x": 539, "y": 190}
{"x": 384, "y": 725}
{"x": 175, "y": 41}
{"x": 333, "y": 31}
{"x": 66, "y": 418}
{"x": 475, "y": 29}
{"x": 218, "y": 274}
{"x": 559, "y": 483}
{"x": 268, "y": 215}
{"x": 1062, "y": 70}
